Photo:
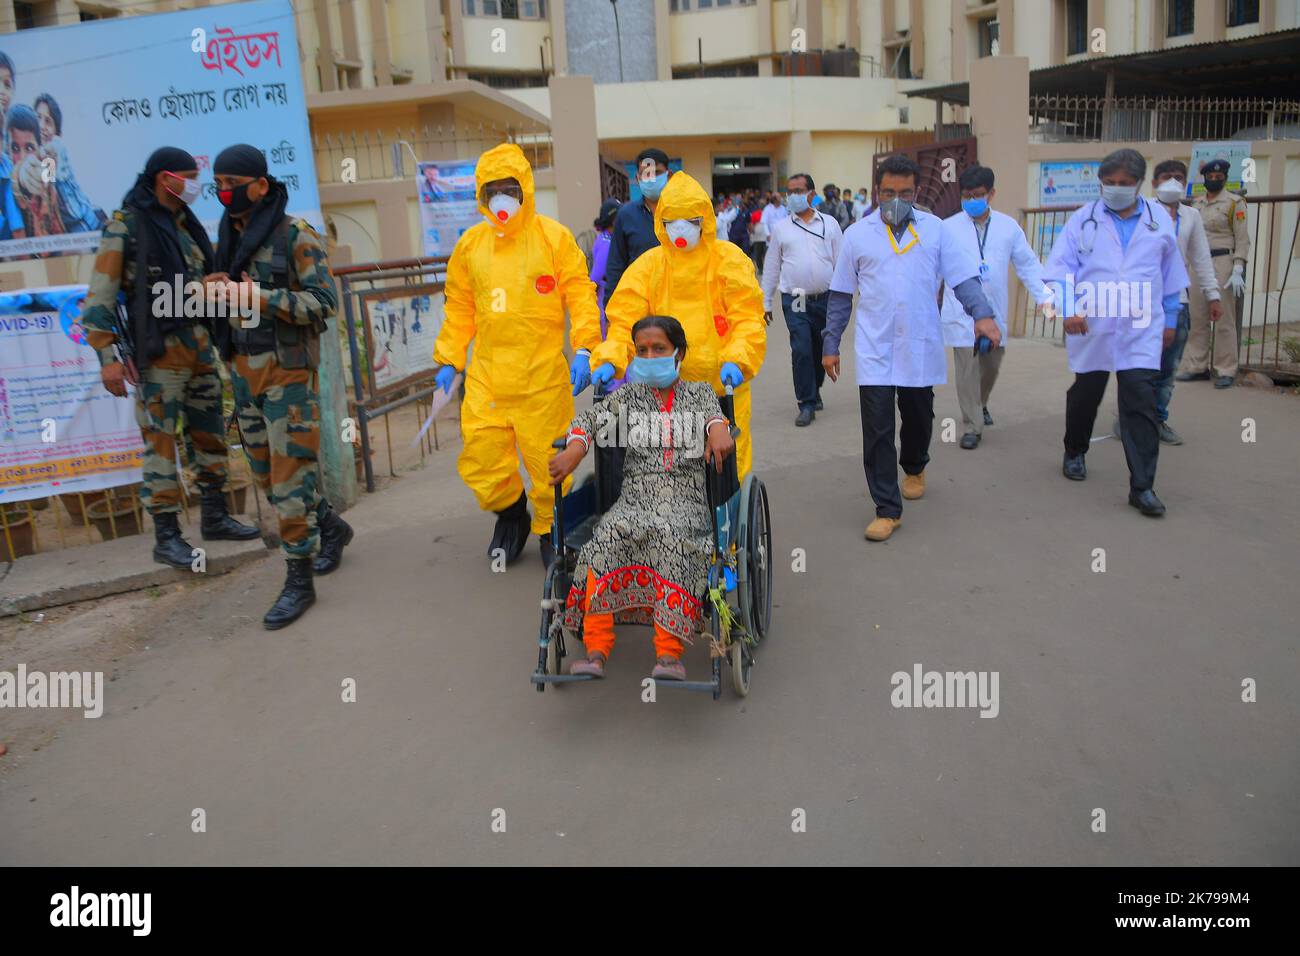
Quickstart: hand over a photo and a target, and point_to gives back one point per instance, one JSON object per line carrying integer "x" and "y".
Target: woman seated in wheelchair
{"x": 648, "y": 559}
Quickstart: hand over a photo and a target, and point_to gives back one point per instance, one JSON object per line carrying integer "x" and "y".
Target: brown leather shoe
{"x": 882, "y": 528}
{"x": 913, "y": 486}
{"x": 593, "y": 665}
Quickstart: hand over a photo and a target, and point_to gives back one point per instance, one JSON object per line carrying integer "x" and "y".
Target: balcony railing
{"x": 1066, "y": 119}
{"x": 393, "y": 154}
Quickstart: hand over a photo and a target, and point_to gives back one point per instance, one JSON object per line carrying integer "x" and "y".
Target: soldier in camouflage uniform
{"x": 273, "y": 356}
{"x": 174, "y": 364}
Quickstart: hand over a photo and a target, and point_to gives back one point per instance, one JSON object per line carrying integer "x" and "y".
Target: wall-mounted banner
{"x": 84, "y": 106}
{"x": 448, "y": 204}
{"x": 1236, "y": 153}
{"x": 60, "y": 431}
{"x": 1068, "y": 184}
{"x": 400, "y": 334}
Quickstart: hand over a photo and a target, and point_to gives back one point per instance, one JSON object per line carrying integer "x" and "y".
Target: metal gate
{"x": 941, "y": 163}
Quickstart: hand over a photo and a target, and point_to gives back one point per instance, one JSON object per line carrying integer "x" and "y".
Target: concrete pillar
{"x": 576, "y": 162}
{"x": 457, "y": 30}
{"x": 999, "y": 103}
{"x": 799, "y": 155}
{"x": 380, "y": 49}
{"x": 559, "y": 40}
{"x": 329, "y": 75}
{"x": 664, "y": 41}
{"x": 434, "y": 40}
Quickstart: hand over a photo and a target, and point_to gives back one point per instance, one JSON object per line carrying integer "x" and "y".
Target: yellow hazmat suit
{"x": 711, "y": 290}
{"x": 508, "y": 285}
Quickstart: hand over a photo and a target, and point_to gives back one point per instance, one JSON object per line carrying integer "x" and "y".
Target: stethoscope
{"x": 1092, "y": 220}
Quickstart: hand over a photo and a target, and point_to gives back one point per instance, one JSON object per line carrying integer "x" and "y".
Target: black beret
{"x": 1215, "y": 166}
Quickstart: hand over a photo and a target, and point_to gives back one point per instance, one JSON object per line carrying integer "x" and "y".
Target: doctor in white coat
{"x": 1118, "y": 275}
{"x": 894, "y": 260}
{"x": 997, "y": 242}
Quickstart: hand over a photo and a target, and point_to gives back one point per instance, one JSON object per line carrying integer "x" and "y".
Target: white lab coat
{"x": 1004, "y": 244}
{"x": 1099, "y": 279}
{"x": 899, "y": 336}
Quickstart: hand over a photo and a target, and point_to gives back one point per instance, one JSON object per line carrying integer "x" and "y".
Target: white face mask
{"x": 1170, "y": 191}
{"x": 683, "y": 233}
{"x": 190, "y": 189}
{"x": 1119, "y": 197}
{"x": 503, "y": 207}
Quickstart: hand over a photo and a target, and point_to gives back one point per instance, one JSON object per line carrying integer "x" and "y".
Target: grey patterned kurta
{"x": 650, "y": 552}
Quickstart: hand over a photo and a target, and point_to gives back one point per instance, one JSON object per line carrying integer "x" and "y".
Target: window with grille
{"x": 1076, "y": 27}
{"x": 1242, "y": 11}
{"x": 1180, "y": 18}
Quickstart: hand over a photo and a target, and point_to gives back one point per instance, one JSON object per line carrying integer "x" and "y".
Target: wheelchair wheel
{"x": 741, "y": 663}
{"x": 754, "y": 558}
{"x": 555, "y": 648}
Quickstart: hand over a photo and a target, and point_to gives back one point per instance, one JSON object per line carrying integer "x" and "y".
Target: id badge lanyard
{"x": 981, "y": 239}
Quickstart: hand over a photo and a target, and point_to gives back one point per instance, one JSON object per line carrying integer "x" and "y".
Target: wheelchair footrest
{"x": 559, "y": 678}
{"x": 701, "y": 685}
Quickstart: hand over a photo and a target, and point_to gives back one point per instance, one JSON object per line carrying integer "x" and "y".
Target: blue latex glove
{"x": 603, "y": 374}
{"x": 444, "y": 377}
{"x": 580, "y": 372}
{"x": 731, "y": 374}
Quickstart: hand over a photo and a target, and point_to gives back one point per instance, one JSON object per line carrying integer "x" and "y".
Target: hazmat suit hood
{"x": 506, "y": 161}
{"x": 685, "y": 198}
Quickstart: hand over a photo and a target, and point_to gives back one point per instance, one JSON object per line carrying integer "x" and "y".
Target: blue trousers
{"x": 1169, "y": 361}
{"x": 806, "y": 327}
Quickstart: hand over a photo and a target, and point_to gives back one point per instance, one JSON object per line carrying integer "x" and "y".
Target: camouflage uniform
{"x": 183, "y": 380}
{"x": 276, "y": 389}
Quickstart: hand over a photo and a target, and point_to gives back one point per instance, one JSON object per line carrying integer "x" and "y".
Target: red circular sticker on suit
{"x": 544, "y": 284}
{"x": 720, "y": 323}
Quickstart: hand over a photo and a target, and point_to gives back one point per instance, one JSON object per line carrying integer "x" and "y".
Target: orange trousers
{"x": 598, "y": 630}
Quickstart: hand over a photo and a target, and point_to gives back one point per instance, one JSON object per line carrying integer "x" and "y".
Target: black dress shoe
{"x": 1224, "y": 381}
{"x": 169, "y": 547}
{"x": 988, "y": 419}
{"x": 970, "y": 440}
{"x": 805, "y": 417}
{"x": 1192, "y": 377}
{"x": 1147, "y": 503}
{"x": 298, "y": 595}
{"x": 335, "y": 535}
{"x": 215, "y": 523}
{"x": 511, "y": 531}
{"x": 1074, "y": 468}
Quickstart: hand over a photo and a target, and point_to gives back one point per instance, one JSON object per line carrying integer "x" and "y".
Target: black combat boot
{"x": 216, "y": 523}
{"x": 335, "y": 535}
{"x": 169, "y": 547}
{"x": 511, "y": 532}
{"x": 297, "y": 596}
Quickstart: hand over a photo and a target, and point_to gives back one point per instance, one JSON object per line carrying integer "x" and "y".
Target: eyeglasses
{"x": 514, "y": 191}
{"x": 907, "y": 195}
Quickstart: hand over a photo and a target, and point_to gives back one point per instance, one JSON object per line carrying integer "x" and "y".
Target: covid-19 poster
{"x": 84, "y": 105}
{"x": 60, "y": 431}
{"x": 448, "y": 204}
{"x": 1236, "y": 153}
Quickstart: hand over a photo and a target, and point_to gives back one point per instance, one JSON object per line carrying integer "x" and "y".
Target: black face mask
{"x": 237, "y": 199}
{"x": 1214, "y": 185}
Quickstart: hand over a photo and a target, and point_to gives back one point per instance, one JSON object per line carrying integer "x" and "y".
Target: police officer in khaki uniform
{"x": 1224, "y": 216}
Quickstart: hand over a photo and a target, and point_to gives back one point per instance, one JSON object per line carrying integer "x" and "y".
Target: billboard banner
{"x": 1236, "y": 153}
{"x": 400, "y": 333}
{"x": 60, "y": 431}
{"x": 84, "y": 106}
{"x": 448, "y": 204}
{"x": 1068, "y": 184}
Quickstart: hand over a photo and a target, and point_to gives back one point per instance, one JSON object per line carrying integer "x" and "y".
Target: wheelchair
{"x": 739, "y": 596}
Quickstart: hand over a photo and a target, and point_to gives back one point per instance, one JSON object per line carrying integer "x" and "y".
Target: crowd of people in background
{"x": 746, "y": 217}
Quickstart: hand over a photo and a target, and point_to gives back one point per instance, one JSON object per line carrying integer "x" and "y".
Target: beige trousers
{"x": 1196, "y": 358}
{"x": 975, "y": 376}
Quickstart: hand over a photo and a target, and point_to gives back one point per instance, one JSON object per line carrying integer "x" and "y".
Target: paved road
{"x": 1118, "y": 690}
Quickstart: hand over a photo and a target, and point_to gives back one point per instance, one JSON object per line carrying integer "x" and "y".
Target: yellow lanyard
{"x": 915, "y": 239}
